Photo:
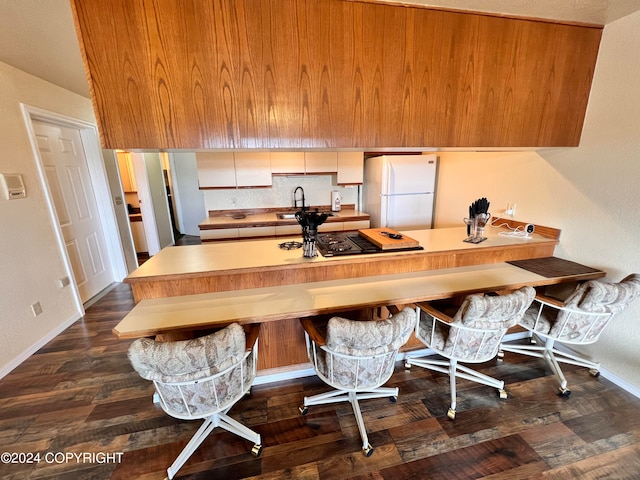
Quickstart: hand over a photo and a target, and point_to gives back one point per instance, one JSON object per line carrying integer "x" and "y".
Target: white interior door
{"x": 146, "y": 204}
{"x": 65, "y": 167}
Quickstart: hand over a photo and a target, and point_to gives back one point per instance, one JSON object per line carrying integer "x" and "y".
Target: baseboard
{"x": 24, "y": 355}
{"x": 620, "y": 382}
{"x": 609, "y": 375}
{"x": 289, "y": 372}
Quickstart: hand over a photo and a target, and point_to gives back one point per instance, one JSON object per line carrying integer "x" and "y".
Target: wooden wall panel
{"x": 330, "y": 74}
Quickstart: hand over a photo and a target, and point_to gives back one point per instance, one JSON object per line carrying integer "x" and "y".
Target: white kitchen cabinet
{"x": 287, "y": 163}
{"x": 231, "y": 170}
{"x": 282, "y": 230}
{"x": 216, "y": 170}
{"x": 356, "y": 225}
{"x": 321, "y": 162}
{"x": 331, "y": 227}
{"x": 139, "y": 237}
{"x": 350, "y": 168}
{"x": 257, "y": 232}
{"x": 253, "y": 169}
{"x": 218, "y": 234}
{"x": 126, "y": 172}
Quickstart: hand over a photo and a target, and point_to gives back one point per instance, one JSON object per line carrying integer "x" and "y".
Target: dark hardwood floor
{"x": 79, "y": 395}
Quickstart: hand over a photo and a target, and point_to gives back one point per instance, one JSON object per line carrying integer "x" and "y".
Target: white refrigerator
{"x": 399, "y": 190}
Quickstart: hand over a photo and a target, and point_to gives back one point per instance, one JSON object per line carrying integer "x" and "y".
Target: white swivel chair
{"x": 578, "y": 320}
{"x": 201, "y": 379}
{"x": 357, "y": 358}
{"x": 472, "y": 335}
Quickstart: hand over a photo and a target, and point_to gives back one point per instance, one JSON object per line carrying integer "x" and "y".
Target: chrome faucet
{"x": 295, "y": 197}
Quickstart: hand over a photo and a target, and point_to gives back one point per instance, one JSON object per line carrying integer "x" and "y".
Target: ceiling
{"x": 38, "y": 36}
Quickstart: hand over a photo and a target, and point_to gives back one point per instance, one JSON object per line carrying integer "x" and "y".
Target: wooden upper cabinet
{"x": 298, "y": 74}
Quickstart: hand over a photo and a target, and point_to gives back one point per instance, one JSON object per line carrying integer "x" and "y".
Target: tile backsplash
{"x": 317, "y": 191}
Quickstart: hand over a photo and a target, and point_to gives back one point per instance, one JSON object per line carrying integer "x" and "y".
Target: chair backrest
{"x": 594, "y": 296}
{"x": 481, "y": 322}
{"x": 199, "y": 376}
{"x": 365, "y": 338}
{"x": 361, "y": 354}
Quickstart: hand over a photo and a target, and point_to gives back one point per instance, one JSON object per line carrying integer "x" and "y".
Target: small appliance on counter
{"x": 336, "y": 200}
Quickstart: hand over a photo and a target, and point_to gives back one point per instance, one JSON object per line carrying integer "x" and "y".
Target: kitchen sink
{"x": 291, "y": 216}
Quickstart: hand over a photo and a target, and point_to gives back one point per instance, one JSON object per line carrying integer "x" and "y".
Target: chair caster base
{"x": 368, "y": 450}
{"x": 393, "y": 399}
{"x": 407, "y": 365}
{"x": 500, "y": 355}
{"x": 564, "y": 392}
{"x": 451, "y": 413}
{"x": 502, "y": 394}
{"x": 256, "y": 451}
{"x": 303, "y": 410}
{"x": 594, "y": 372}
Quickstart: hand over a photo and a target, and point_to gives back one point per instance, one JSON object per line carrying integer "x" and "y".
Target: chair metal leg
{"x": 202, "y": 433}
{"x": 367, "y": 449}
{"x": 454, "y": 369}
{"x": 553, "y": 357}
{"x": 239, "y": 429}
{"x": 222, "y": 420}
{"x": 353, "y": 397}
{"x": 451, "y": 413}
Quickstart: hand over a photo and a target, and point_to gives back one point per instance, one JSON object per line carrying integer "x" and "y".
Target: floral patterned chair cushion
{"x": 364, "y": 338}
{"x": 593, "y": 296}
{"x": 182, "y": 370}
{"x": 361, "y": 354}
{"x": 484, "y": 318}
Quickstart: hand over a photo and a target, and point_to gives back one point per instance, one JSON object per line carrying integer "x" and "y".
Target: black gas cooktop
{"x": 333, "y": 244}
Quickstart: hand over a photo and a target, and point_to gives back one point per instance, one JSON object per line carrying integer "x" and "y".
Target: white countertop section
{"x": 260, "y": 254}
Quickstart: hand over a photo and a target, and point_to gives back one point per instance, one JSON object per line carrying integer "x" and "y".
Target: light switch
{"x": 12, "y": 185}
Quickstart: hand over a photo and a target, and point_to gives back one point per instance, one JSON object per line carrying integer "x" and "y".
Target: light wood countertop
{"x": 260, "y": 256}
{"x": 270, "y": 304}
{"x": 224, "y": 258}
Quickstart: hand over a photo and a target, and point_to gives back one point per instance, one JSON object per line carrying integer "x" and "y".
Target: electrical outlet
{"x": 511, "y": 209}
{"x": 36, "y": 309}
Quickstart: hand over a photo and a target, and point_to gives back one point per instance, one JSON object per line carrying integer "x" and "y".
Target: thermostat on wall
{"x": 12, "y": 185}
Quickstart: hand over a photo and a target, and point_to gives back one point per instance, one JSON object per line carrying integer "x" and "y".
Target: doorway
{"x": 146, "y": 186}
{"x": 74, "y": 181}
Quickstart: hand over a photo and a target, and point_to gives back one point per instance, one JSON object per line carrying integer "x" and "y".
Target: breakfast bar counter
{"x": 218, "y": 267}
{"x": 188, "y": 289}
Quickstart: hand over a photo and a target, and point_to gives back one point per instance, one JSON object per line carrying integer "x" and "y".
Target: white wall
{"x": 30, "y": 260}
{"x": 591, "y": 192}
{"x": 188, "y": 198}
